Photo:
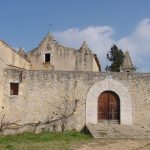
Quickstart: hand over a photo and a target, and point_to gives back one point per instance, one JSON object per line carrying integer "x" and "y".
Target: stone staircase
{"x": 118, "y": 131}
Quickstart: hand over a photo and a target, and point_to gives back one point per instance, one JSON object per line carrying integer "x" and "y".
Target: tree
{"x": 116, "y": 56}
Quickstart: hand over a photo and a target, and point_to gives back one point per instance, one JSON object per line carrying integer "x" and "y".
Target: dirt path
{"x": 105, "y": 144}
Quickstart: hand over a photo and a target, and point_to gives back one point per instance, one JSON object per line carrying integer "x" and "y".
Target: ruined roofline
{"x": 48, "y": 35}
{"x": 84, "y": 46}
{"x": 7, "y": 45}
{"x": 54, "y": 41}
{"x": 58, "y": 45}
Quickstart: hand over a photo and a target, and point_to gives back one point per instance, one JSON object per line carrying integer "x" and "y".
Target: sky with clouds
{"x": 101, "y": 23}
{"x": 100, "y": 39}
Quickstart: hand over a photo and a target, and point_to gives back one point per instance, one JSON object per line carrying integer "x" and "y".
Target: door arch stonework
{"x": 120, "y": 90}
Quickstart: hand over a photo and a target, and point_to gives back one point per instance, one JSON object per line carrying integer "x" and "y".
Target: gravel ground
{"x": 111, "y": 144}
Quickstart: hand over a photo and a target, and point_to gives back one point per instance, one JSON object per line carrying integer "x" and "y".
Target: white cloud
{"x": 100, "y": 40}
{"x": 138, "y": 43}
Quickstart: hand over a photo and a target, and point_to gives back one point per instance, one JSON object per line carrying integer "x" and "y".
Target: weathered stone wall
{"x": 2, "y": 66}
{"x": 9, "y": 58}
{"x": 42, "y": 92}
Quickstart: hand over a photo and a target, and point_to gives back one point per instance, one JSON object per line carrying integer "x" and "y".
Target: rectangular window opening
{"x": 14, "y": 88}
{"x": 47, "y": 57}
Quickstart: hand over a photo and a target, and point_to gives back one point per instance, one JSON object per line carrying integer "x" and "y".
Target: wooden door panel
{"x": 113, "y": 106}
{"x": 108, "y": 106}
{"x": 103, "y": 107}
{"x": 113, "y": 112}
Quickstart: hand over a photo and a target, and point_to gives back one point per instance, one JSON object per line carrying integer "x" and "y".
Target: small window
{"x": 14, "y": 88}
{"x": 47, "y": 57}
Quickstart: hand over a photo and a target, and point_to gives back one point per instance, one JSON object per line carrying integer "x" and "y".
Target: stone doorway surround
{"x": 109, "y": 84}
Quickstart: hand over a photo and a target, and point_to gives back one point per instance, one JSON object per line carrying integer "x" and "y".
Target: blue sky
{"x": 101, "y": 23}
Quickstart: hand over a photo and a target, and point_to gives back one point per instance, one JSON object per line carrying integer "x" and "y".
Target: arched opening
{"x": 109, "y": 108}
{"x": 125, "y": 102}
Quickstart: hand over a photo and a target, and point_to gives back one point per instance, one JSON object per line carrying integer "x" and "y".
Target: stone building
{"x": 49, "y": 55}
{"x": 54, "y": 87}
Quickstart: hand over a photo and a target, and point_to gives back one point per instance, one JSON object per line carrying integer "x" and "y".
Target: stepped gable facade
{"x": 49, "y": 55}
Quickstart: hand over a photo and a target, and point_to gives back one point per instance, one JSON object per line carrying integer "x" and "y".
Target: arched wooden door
{"x": 109, "y": 107}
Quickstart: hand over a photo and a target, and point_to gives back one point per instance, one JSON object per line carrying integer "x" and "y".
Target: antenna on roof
{"x": 49, "y": 27}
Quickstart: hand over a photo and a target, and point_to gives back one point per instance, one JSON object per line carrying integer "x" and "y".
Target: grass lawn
{"x": 44, "y": 141}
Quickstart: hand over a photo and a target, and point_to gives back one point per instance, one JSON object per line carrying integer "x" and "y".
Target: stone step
{"x": 118, "y": 131}
{"x": 102, "y": 122}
